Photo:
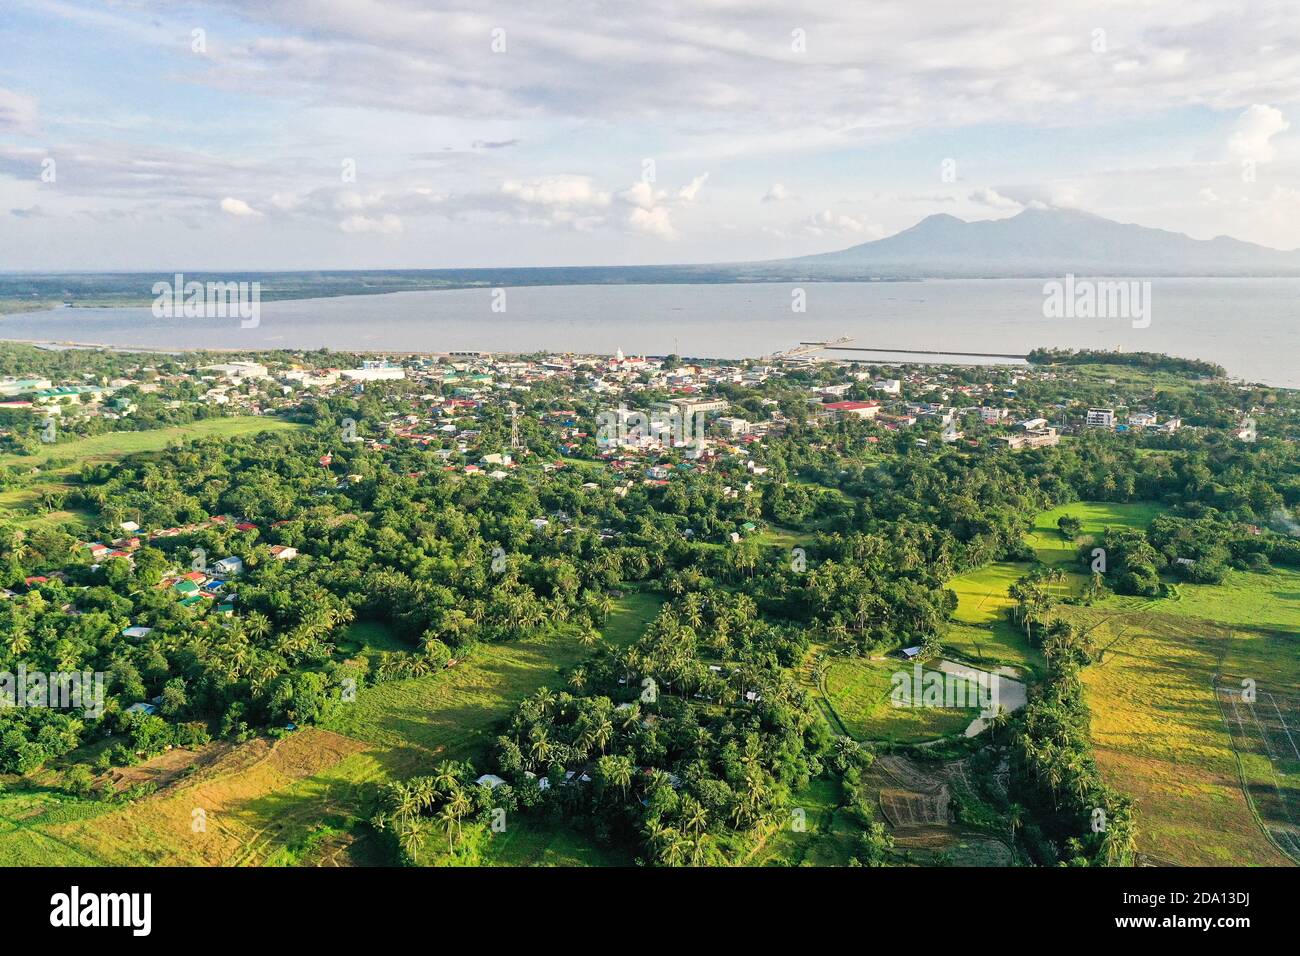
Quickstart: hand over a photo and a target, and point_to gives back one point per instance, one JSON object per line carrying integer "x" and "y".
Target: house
{"x": 137, "y": 632}
{"x": 374, "y": 373}
{"x": 991, "y": 416}
{"x": 1031, "y": 438}
{"x": 281, "y": 552}
{"x": 733, "y": 426}
{"x": 230, "y": 566}
{"x": 853, "y": 409}
{"x": 489, "y": 780}
{"x": 911, "y": 653}
{"x": 142, "y": 708}
{"x": 237, "y": 371}
{"x": 1101, "y": 418}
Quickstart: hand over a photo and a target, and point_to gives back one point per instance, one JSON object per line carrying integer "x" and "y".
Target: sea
{"x": 1250, "y": 326}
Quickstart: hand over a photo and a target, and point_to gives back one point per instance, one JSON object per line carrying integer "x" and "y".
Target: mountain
{"x": 1037, "y": 242}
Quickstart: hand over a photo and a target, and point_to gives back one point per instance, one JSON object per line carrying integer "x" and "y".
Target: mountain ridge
{"x": 1040, "y": 242}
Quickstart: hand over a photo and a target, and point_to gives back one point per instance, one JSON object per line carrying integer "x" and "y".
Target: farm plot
{"x": 1265, "y": 730}
{"x": 915, "y": 801}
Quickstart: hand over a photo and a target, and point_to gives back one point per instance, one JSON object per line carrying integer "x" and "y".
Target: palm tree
{"x": 447, "y": 817}
{"x": 257, "y": 625}
{"x": 697, "y": 817}
{"x": 412, "y": 838}
{"x": 1015, "y": 820}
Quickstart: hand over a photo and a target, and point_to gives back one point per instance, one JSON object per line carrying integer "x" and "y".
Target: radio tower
{"x": 515, "y": 443}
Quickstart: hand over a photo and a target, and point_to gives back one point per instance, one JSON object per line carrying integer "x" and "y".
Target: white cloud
{"x": 642, "y": 195}
{"x": 557, "y": 191}
{"x": 987, "y": 196}
{"x": 239, "y": 208}
{"x": 1255, "y": 128}
{"x": 829, "y": 222}
{"x": 692, "y": 189}
{"x": 776, "y": 193}
{"x": 17, "y": 111}
{"x": 387, "y": 224}
{"x": 655, "y": 221}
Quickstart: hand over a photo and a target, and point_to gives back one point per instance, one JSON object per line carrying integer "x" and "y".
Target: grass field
{"x": 1095, "y": 516}
{"x": 859, "y": 690}
{"x": 981, "y": 632}
{"x": 1158, "y": 730}
{"x": 22, "y": 504}
{"x": 266, "y": 804}
{"x": 118, "y": 444}
{"x": 828, "y": 836}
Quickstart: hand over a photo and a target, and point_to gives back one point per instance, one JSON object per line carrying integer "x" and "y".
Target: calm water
{"x": 1250, "y": 326}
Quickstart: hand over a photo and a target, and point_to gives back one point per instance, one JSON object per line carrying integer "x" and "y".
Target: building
{"x": 72, "y": 394}
{"x": 1031, "y": 438}
{"x": 686, "y": 407}
{"x": 991, "y": 416}
{"x": 231, "y": 565}
{"x": 10, "y": 387}
{"x": 733, "y": 426}
{"x": 890, "y": 386}
{"x": 1101, "y": 418}
{"x": 853, "y": 409}
{"x": 237, "y": 371}
{"x": 1143, "y": 419}
{"x": 374, "y": 373}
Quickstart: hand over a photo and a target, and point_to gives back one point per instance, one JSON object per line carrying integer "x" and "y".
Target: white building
{"x": 376, "y": 373}
{"x": 733, "y": 426}
{"x": 235, "y": 371}
{"x": 1101, "y": 418}
{"x": 231, "y": 565}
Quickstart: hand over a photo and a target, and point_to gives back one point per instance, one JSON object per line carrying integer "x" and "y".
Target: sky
{"x": 336, "y": 134}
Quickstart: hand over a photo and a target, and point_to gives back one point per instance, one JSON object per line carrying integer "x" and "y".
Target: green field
{"x": 828, "y": 836}
{"x": 266, "y": 804}
{"x": 22, "y": 504}
{"x": 1046, "y": 539}
{"x": 1157, "y": 728}
{"x": 859, "y": 691}
{"x": 981, "y": 631}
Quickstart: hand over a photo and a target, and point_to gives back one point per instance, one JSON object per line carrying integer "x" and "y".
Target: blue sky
{"x": 483, "y": 134}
